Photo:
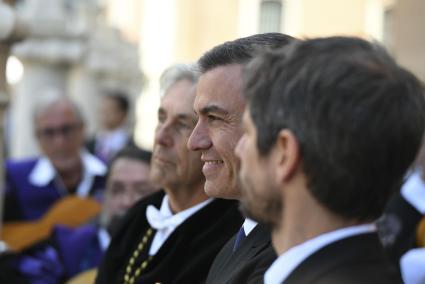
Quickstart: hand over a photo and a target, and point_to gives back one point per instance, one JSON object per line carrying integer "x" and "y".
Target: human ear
{"x": 286, "y": 154}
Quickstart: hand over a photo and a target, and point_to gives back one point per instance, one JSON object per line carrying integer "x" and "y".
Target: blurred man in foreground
{"x": 331, "y": 128}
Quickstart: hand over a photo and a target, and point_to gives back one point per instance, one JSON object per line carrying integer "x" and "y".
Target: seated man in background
{"x": 113, "y": 136}
{"x": 34, "y": 185}
{"x": 332, "y": 126}
{"x": 70, "y": 251}
{"x": 171, "y": 236}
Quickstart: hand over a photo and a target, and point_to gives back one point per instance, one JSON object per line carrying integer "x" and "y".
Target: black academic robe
{"x": 248, "y": 263}
{"x": 358, "y": 259}
{"x": 186, "y": 255}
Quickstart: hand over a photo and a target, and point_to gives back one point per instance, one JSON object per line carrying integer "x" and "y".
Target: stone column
{"x": 12, "y": 29}
{"x": 46, "y": 54}
{"x": 109, "y": 63}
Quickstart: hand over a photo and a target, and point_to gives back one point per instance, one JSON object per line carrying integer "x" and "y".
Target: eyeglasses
{"x": 65, "y": 130}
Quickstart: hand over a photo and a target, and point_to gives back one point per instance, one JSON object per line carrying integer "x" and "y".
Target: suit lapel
{"x": 253, "y": 244}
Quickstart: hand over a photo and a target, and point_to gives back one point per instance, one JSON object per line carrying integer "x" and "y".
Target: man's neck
{"x": 72, "y": 178}
{"x": 302, "y": 223}
{"x": 181, "y": 198}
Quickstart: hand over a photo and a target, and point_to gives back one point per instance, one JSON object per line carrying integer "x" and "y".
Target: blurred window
{"x": 387, "y": 28}
{"x": 270, "y": 16}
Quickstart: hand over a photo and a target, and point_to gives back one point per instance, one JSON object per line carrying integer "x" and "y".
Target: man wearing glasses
{"x": 34, "y": 185}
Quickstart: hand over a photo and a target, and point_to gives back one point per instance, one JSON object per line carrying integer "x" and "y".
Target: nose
{"x": 162, "y": 136}
{"x": 239, "y": 146}
{"x": 199, "y": 139}
{"x": 59, "y": 140}
{"x": 126, "y": 201}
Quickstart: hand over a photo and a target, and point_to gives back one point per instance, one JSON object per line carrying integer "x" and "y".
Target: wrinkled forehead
{"x": 179, "y": 98}
{"x": 57, "y": 114}
{"x": 129, "y": 170}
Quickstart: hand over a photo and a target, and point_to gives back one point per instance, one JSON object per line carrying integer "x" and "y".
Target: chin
{"x": 253, "y": 213}
{"x": 211, "y": 190}
{"x": 66, "y": 165}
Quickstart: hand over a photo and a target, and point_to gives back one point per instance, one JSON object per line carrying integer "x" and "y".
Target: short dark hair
{"x": 358, "y": 118}
{"x": 121, "y": 98}
{"x": 131, "y": 152}
{"x": 241, "y": 50}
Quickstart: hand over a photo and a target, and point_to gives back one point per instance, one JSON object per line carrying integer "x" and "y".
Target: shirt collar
{"x": 287, "y": 262}
{"x": 44, "y": 172}
{"x": 413, "y": 191}
{"x": 248, "y": 226}
{"x": 164, "y": 218}
{"x": 104, "y": 239}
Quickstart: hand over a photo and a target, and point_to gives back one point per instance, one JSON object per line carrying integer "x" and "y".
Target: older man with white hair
{"x": 33, "y": 185}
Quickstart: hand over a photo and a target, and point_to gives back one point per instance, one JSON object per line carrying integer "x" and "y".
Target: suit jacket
{"x": 353, "y": 260}
{"x": 186, "y": 255}
{"x": 105, "y": 150}
{"x": 248, "y": 263}
{"x": 28, "y": 201}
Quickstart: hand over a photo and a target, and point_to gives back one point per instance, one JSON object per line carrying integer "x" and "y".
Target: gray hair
{"x": 51, "y": 96}
{"x": 176, "y": 73}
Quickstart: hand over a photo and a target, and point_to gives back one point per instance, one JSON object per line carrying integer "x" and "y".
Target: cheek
{"x": 226, "y": 148}
{"x": 194, "y": 163}
{"x": 111, "y": 203}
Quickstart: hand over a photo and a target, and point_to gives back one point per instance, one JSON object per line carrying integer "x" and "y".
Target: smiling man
{"x": 172, "y": 236}
{"x": 333, "y": 124}
{"x": 219, "y": 105}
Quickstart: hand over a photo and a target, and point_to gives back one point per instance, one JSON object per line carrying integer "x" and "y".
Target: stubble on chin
{"x": 263, "y": 209}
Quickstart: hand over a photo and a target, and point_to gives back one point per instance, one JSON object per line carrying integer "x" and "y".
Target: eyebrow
{"x": 213, "y": 109}
{"x": 180, "y": 116}
{"x": 185, "y": 117}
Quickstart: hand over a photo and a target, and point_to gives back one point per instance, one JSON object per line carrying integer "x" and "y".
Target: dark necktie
{"x": 239, "y": 238}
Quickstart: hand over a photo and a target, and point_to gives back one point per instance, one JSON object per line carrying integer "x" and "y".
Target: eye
{"x": 183, "y": 125}
{"x": 115, "y": 189}
{"x": 161, "y": 117}
{"x": 212, "y": 118}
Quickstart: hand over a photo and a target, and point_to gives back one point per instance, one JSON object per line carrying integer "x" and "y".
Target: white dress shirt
{"x": 248, "y": 226}
{"x": 412, "y": 263}
{"x": 413, "y": 191}
{"x": 104, "y": 238}
{"x": 110, "y": 142}
{"x": 165, "y": 222}
{"x": 282, "y": 267}
{"x": 44, "y": 172}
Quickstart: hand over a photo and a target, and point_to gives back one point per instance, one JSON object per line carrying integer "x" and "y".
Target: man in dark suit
{"x": 331, "y": 128}
{"x": 219, "y": 105}
{"x": 172, "y": 236}
{"x": 113, "y": 134}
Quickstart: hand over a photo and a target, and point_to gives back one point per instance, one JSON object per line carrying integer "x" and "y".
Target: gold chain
{"x": 130, "y": 276}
